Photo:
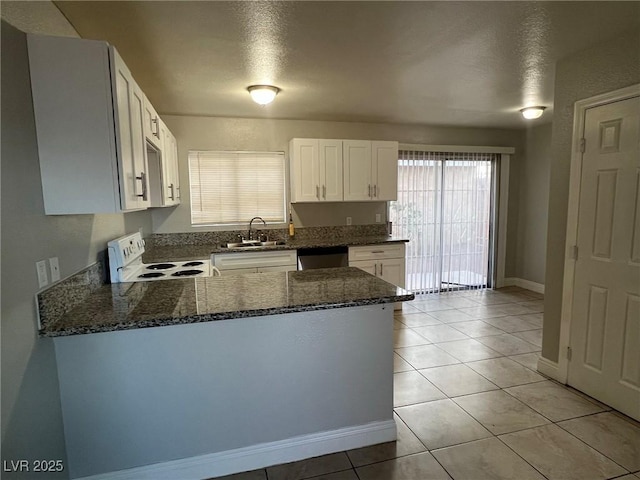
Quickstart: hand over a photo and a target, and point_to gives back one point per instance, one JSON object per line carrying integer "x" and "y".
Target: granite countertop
{"x": 167, "y": 253}
{"x": 125, "y": 306}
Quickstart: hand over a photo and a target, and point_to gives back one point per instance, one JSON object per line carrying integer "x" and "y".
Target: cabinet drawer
{"x": 229, "y": 261}
{"x": 368, "y": 252}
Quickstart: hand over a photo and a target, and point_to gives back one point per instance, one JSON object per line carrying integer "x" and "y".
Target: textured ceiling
{"x": 439, "y": 63}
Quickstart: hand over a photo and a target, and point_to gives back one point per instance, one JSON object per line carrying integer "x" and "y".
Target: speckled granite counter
{"x": 167, "y": 253}
{"x": 153, "y": 304}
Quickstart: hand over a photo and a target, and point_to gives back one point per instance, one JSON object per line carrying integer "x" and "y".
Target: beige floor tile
{"x": 534, "y": 305}
{"x": 345, "y": 475}
{"x": 499, "y": 412}
{"x": 505, "y": 372}
{"x": 534, "y": 318}
{"x": 468, "y": 350}
{"x": 484, "y": 311}
{"x": 407, "y": 337}
{"x": 311, "y": 467}
{"x": 511, "y": 323}
{"x": 516, "y": 309}
{"x": 529, "y": 360}
{"x": 477, "y": 328}
{"x": 397, "y": 324}
{"x": 559, "y": 455}
{"x": 399, "y": 365}
{"x": 253, "y": 475}
{"x": 432, "y": 305}
{"x": 406, "y": 444}
{"x": 534, "y": 337}
{"x": 612, "y": 436}
{"x": 629, "y": 476}
{"x": 507, "y": 344}
{"x": 451, "y": 316}
{"x": 461, "y": 302}
{"x": 440, "y": 333}
{"x": 553, "y": 401}
{"x": 487, "y": 459}
{"x": 407, "y": 307}
{"x": 456, "y": 380}
{"x": 418, "y": 320}
{"x": 441, "y": 423}
{"x": 421, "y": 466}
{"x": 411, "y": 387}
{"x": 495, "y": 299}
{"x": 426, "y": 356}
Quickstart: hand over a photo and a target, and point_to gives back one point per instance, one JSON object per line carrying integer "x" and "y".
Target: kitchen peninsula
{"x": 203, "y": 377}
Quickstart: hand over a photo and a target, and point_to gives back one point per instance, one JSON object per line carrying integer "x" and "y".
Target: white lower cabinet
{"x": 384, "y": 261}
{"x": 255, "y": 262}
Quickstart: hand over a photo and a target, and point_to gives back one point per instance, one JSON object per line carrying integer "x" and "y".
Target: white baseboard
{"x": 549, "y": 368}
{"x": 522, "y": 283}
{"x": 261, "y": 455}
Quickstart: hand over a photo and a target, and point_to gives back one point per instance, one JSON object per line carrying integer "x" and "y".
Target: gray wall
{"x": 533, "y": 200}
{"x": 213, "y": 133}
{"x": 607, "y": 67}
{"x": 31, "y": 415}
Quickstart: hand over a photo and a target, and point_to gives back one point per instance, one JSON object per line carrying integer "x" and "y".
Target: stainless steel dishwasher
{"x": 323, "y": 257}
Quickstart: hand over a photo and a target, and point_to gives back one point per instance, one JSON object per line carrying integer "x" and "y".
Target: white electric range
{"x": 125, "y": 263}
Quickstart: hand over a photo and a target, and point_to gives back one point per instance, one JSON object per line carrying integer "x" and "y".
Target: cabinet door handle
{"x": 317, "y": 191}
{"x": 143, "y": 180}
{"x": 156, "y": 131}
{"x": 381, "y": 269}
{"x": 369, "y": 191}
{"x": 173, "y": 195}
{"x": 375, "y": 269}
{"x": 377, "y": 251}
{"x": 375, "y": 190}
{"x": 324, "y": 191}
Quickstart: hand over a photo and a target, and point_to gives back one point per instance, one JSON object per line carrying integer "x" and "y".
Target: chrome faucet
{"x": 251, "y": 226}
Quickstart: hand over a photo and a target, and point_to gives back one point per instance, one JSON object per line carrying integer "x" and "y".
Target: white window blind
{"x": 232, "y": 187}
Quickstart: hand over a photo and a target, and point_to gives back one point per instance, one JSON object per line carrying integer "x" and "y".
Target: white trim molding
{"x": 261, "y": 455}
{"x": 579, "y": 113}
{"x": 522, "y": 283}
{"x": 549, "y": 368}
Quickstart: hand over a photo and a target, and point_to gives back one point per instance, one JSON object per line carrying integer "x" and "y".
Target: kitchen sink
{"x": 250, "y": 244}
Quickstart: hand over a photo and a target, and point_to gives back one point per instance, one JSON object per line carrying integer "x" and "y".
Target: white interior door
{"x": 605, "y": 322}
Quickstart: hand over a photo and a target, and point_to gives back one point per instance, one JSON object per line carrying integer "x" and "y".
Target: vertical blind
{"x": 444, "y": 208}
{"x": 229, "y": 188}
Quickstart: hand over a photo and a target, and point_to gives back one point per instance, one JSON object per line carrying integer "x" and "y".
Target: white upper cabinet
{"x": 170, "y": 179}
{"x": 358, "y": 182}
{"x": 89, "y": 115}
{"x": 151, "y": 124}
{"x": 384, "y": 170}
{"x": 343, "y": 170}
{"x": 370, "y": 170}
{"x": 315, "y": 170}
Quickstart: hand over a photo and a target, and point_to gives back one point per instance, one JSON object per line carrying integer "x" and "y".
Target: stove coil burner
{"x": 186, "y": 273}
{"x": 160, "y": 266}
{"x": 151, "y": 275}
{"x": 193, "y": 264}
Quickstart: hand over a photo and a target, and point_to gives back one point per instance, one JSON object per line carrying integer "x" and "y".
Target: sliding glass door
{"x": 445, "y": 208}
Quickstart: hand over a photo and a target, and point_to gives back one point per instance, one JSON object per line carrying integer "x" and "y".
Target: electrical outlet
{"x": 378, "y": 218}
{"x": 41, "y": 267}
{"x": 348, "y": 220}
{"x": 55, "y": 269}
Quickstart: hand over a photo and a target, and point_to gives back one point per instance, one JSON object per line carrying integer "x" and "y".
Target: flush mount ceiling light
{"x": 532, "y": 112}
{"x": 263, "y": 94}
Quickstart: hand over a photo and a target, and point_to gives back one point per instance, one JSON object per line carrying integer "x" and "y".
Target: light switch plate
{"x": 378, "y": 218}
{"x": 55, "y": 269}
{"x": 348, "y": 220}
{"x": 41, "y": 267}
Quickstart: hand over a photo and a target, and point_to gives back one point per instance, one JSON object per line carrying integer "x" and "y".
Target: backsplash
{"x": 302, "y": 234}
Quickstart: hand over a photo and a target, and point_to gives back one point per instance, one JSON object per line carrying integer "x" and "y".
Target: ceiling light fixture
{"x": 532, "y": 112}
{"x": 263, "y": 94}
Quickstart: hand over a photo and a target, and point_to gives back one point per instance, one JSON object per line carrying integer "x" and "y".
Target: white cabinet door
{"x": 152, "y": 124}
{"x": 175, "y": 177}
{"x": 304, "y": 170}
{"x": 331, "y": 170}
{"x": 170, "y": 184}
{"x": 132, "y": 160}
{"x": 358, "y": 184}
{"x": 368, "y": 266}
{"x": 384, "y": 158}
{"x": 392, "y": 270}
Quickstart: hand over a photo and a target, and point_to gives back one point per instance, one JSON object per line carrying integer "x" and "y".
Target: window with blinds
{"x": 229, "y": 188}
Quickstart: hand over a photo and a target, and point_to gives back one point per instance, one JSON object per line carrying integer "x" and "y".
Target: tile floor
{"x": 469, "y": 404}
